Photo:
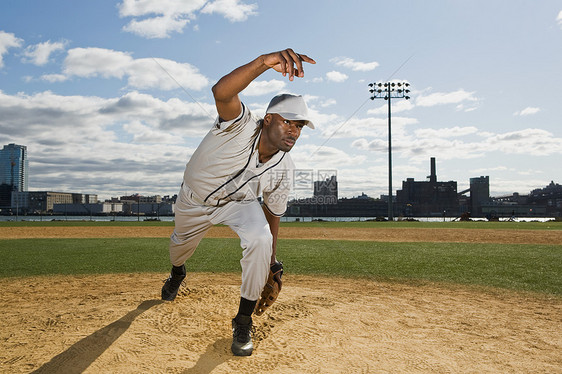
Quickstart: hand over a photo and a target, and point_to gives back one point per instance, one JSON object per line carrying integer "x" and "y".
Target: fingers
{"x": 296, "y": 59}
{"x": 286, "y": 64}
{"x": 305, "y": 58}
{"x": 291, "y": 63}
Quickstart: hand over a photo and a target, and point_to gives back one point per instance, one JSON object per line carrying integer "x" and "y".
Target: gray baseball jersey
{"x": 225, "y": 167}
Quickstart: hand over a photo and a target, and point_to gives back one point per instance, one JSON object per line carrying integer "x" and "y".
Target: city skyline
{"x": 310, "y": 180}
{"x": 114, "y": 98}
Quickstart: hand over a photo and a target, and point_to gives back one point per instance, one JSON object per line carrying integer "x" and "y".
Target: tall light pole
{"x": 387, "y": 91}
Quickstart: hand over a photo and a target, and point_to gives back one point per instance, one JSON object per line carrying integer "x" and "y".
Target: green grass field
{"x": 536, "y": 268}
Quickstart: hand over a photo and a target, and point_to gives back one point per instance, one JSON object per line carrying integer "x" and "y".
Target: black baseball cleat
{"x": 173, "y": 283}
{"x": 242, "y": 336}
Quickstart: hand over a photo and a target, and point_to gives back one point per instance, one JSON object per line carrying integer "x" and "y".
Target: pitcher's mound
{"x": 116, "y": 323}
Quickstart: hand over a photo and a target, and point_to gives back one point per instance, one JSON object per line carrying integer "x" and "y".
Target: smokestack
{"x": 433, "y": 176}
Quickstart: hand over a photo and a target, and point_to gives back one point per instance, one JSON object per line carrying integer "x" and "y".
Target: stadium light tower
{"x": 387, "y": 91}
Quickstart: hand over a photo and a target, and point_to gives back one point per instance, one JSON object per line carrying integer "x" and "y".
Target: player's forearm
{"x": 274, "y": 222}
{"x": 233, "y": 83}
{"x": 274, "y": 246}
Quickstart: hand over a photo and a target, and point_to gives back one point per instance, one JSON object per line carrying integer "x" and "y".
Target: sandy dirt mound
{"x": 116, "y": 323}
{"x": 330, "y": 233}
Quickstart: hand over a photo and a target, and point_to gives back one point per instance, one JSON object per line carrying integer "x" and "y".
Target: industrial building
{"x": 428, "y": 198}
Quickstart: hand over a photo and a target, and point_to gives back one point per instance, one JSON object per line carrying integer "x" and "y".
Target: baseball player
{"x": 241, "y": 158}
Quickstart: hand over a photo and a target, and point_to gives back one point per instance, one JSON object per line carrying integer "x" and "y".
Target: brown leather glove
{"x": 271, "y": 289}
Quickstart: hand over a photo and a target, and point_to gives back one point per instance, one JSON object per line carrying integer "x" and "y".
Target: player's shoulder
{"x": 237, "y": 124}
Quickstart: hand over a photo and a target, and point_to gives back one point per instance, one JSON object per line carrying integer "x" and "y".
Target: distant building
{"x": 35, "y": 202}
{"x": 541, "y": 202}
{"x": 87, "y": 209}
{"x": 553, "y": 190}
{"x": 428, "y": 198}
{"x": 360, "y": 206}
{"x": 326, "y": 190}
{"x": 495, "y": 209}
{"x": 325, "y": 203}
{"x": 157, "y": 199}
{"x": 325, "y": 194}
{"x": 149, "y": 209}
{"x": 549, "y": 196}
{"x": 479, "y": 195}
{"x": 14, "y": 167}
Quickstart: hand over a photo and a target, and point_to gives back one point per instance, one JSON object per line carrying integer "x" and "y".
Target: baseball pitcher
{"x": 241, "y": 158}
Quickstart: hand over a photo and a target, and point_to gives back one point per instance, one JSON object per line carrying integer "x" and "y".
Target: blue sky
{"x": 112, "y": 97}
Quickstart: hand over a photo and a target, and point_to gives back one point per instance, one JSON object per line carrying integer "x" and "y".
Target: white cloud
{"x": 165, "y": 75}
{"x": 354, "y": 127}
{"x": 396, "y": 107}
{"x": 141, "y": 73}
{"x": 143, "y": 134}
{"x": 536, "y": 142}
{"x": 36, "y": 115}
{"x": 52, "y": 78}
{"x": 92, "y": 62}
{"x": 336, "y": 76}
{"x": 232, "y": 10}
{"x": 458, "y": 143}
{"x": 527, "y": 111}
{"x": 7, "y": 41}
{"x": 257, "y": 88}
{"x": 451, "y": 132}
{"x": 156, "y": 27}
{"x": 328, "y": 102}
{"x": 39, "y": 54}
{"x": 138, "y": 8}
{"x": 310, "y": 156}
{"x": 354, "y": 65}
{"x": 322, "y": 120}
{"x": 465, "y": 108}
{"x": 559, "y": 18}
{"x": 365, "y": 127}
{"x": 441, "y": 98}
{"x": 134, "y": 143}
{"x": 161, "y": 18}
{"x": 483, "y": 171}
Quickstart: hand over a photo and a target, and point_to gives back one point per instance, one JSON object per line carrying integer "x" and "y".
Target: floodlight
{"x": 390, "y": 93}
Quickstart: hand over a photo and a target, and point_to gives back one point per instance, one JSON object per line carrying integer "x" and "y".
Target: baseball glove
{"x": 271, "y": 289}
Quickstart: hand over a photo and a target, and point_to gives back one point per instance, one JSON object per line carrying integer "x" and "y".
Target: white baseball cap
{"x": 291, "y": 107}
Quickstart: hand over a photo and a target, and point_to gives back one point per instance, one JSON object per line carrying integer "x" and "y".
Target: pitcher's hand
{"x": 287, "y": 62}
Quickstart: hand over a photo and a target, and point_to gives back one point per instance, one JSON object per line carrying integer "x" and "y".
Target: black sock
{"x": 179, "y": 270}
{"x": 246, "y": 307}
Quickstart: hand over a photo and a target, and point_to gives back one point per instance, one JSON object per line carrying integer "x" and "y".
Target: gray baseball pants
{"x": 246, "y": 218}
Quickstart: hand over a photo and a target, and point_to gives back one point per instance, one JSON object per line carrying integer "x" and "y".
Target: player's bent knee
{"x": 264, "y": 240}
{"x": 259, "y": 242}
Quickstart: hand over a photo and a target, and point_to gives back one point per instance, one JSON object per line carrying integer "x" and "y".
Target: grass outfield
{"x": 504, "y": 225}
{"x": 536, "y": 268}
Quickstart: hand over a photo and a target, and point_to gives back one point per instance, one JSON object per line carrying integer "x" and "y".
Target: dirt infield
{"x": 331, "y": 233}
{"x": 117, "y": 324}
